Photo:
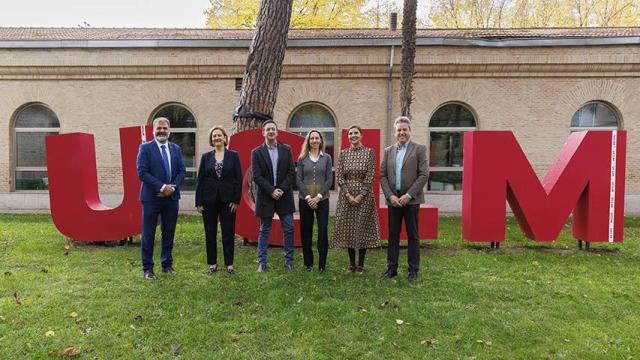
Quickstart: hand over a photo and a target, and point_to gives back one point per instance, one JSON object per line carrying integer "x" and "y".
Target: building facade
{"x": 542, "y": 84}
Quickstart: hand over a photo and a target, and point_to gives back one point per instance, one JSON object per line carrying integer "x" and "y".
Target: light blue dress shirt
{"x": 400, "y": 152}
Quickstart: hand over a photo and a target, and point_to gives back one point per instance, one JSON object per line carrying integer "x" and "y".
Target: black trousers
{"x": 306, "y": 231}
{"x": 212, "y": 212}
{"x": 410, "y": 215}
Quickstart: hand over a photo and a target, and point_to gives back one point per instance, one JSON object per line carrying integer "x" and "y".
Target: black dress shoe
{"x": 388, "y": 274}
{"x": 149, "y": 275}
{"x": 413, "y": 275}
{"x": 230, "y": 271}
{"x": 168, "y": 270}
{"x": 212, "y": 269}
{"x": 309, "y": 268}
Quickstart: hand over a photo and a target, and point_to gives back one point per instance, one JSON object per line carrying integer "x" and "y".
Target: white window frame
{"x": 16, "y": 130}
{"x": 448, "y": 130}
{"x": 597, "y": 128}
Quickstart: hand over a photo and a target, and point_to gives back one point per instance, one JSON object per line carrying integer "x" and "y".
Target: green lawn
{"x": 525, "y": 300}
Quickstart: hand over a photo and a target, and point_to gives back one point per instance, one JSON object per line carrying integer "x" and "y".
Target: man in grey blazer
{"x": 403, "y": 175}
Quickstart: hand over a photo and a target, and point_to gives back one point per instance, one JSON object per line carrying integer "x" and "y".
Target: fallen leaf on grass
{"x": 233, "y": 338}
{"x": 300, "y": 300}
{"x": 18, "y": 298}
{"x": 486, "y": 342}
{"x": 176, "y": 350}
{"x": 471, "y": 306}
{"x": 69, "y": 352}
{"x": 399, "y": 322}
{"x": 74, "y": 314}
{"x": 86, "y": 330}
{"x": 50, "y": 333}
{"x": 53, "y": 353}
{"x": 429, "y": 342}
{"x": 67, "y": 247}
{"x": 383, "y": 305}
{"x": 2, "y": 318}
{"x": 132, "y": 327}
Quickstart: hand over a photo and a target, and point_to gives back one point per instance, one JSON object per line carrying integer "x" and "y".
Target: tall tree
{"x": 408, "y": 55}
{"x": 264, "y": 65}
{"x": 242, "y": 14}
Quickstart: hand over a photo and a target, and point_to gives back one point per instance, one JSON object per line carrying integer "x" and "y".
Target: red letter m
{"x": 587, "y": 178}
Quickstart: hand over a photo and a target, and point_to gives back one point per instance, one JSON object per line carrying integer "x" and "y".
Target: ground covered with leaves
{"x": 524, "y": 300}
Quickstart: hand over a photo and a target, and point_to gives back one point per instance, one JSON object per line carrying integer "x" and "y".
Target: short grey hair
{"x": 158, "y": 120}
{"x": 402, "y": 120}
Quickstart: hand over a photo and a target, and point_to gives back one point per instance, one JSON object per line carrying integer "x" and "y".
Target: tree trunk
{"x": 408, "y": 56}
{"x": 264, "y": 66}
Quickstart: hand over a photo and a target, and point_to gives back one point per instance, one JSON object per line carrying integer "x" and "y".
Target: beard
{"x": 162, "y": 136}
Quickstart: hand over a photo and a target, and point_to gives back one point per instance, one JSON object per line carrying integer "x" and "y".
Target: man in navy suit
{"x": 274, "y": 175}
{"x": 161, "y": 170}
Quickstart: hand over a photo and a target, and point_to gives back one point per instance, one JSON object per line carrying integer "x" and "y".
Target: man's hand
{"x": 277, "y": 194}
{"x": 404, "y": 200}
{"x": 233, "y": 207}
{"x": 394, "y": 201}
{"x": 168, "y": 190}
{"x": 200, "y": 209}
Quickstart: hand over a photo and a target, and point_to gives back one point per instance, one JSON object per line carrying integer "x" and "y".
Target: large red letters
{"x": 580, "y": 180}
{"x": 76, "y": 208}
{"x": 496, "y": 171}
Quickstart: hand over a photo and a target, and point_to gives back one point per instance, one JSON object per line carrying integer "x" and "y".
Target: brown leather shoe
{"x": 168, "y": 270}
{"x": 359, "y": 270}
{"x": 351, "y": 269}
{"x": 149, "y": 275}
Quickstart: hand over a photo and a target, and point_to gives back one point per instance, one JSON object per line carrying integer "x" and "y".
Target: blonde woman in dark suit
{"x": 217, "y": 197}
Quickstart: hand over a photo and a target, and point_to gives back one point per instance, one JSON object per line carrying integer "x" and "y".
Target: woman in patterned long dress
{"x": 356, "y": 224}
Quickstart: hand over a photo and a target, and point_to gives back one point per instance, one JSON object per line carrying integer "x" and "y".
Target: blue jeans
{"x": 263, "y": 238}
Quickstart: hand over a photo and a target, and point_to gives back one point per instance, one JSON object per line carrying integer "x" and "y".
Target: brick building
{"x": 540, "y": 83}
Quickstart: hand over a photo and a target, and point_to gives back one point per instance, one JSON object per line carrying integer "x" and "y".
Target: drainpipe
{"x": 393, "y": 26}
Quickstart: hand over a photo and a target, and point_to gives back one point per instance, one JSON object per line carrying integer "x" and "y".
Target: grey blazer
{"x": 414, "y": 173}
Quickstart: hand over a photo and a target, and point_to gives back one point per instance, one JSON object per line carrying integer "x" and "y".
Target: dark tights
{"x": 352, "y": 256}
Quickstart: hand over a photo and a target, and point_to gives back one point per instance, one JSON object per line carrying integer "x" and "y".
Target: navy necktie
{"x": 165, "y": 164}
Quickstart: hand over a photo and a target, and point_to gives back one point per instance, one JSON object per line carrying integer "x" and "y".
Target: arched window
{"x": 31, "y": 124}
{"x": 183, "y": 132}
{"x": 446, "y": 131}
{"x": 315, "y": 116}
{"x": 595, "y": 115}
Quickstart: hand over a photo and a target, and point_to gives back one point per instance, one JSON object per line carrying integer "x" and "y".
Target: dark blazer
{"x": 414, "y": 172}
{"x": 151, "y": 171}
{"x": 228, "y": 189}
{"x": 263, "y": 177}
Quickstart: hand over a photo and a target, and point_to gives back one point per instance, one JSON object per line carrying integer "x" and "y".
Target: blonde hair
{"x": 304, "y": 152}
{"x": 226, "y": 138}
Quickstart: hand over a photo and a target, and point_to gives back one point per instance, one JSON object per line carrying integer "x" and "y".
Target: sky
{"x": 112, "y": 13}
{"x": 104, "y": 13}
